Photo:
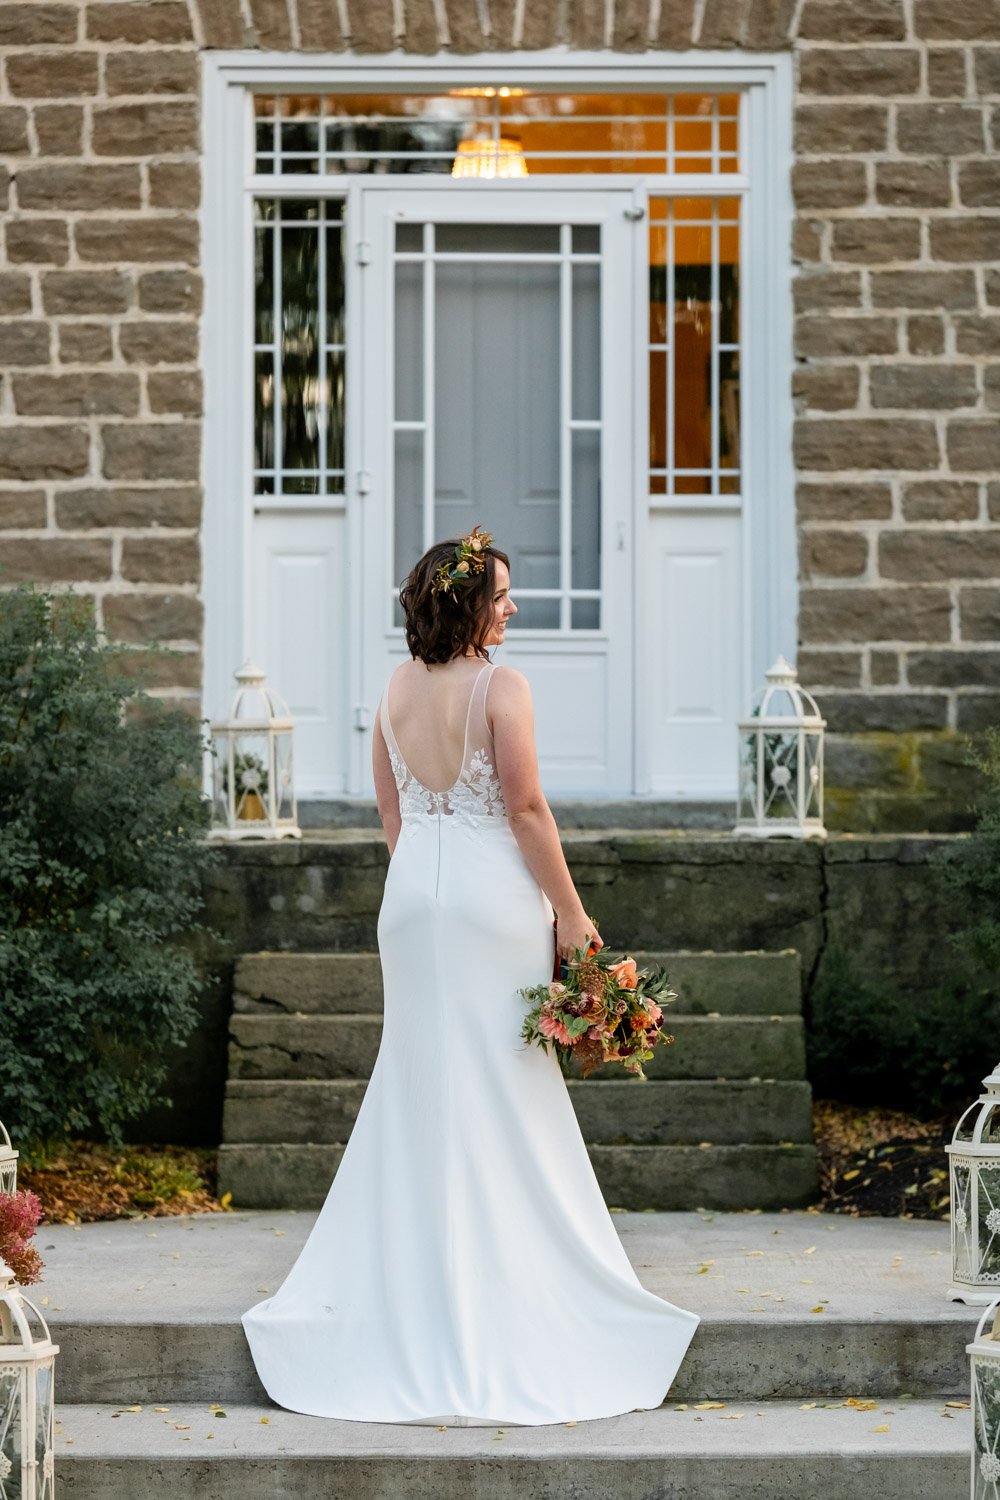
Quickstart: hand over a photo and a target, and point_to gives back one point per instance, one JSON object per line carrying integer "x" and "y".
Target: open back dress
{"x": 464, "y": 1268}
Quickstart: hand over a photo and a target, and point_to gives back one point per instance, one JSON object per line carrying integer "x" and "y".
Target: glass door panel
{"x": 499, "y": 325}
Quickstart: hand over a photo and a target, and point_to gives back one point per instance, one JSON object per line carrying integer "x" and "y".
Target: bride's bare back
{"x": 428, "y": 708}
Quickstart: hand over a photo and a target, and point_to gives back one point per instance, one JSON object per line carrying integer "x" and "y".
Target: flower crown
{"x": 469, "y": 560}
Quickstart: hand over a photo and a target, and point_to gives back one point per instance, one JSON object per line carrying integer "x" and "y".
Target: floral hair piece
{"x": 469, "y": 560}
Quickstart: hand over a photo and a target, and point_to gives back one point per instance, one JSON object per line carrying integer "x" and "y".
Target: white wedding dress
{"x": 464, "y": 1268}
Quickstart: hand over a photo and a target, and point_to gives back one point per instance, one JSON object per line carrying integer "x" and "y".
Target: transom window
{"x": 497, "y": 131}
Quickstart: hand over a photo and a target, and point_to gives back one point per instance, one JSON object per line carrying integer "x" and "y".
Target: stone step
{"x": 631, "y": 1112}
{"x": 344, "y": 1046}
{"x": 665, "y": 1178}
{"x": 754, "y": 983}
{"x": 773, "y": 1451}
{"x": 794, "y": 1306}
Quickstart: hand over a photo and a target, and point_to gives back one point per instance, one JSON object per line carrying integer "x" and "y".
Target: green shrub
{"x": 970, "y": 867}
{"x": 101, "y": 854}
{"x": 869, "y": 1045}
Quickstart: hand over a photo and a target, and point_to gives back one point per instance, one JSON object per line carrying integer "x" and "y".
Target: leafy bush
{"x": 867, "y": 1044}
{"x": 101, "y": 853}
{"x": 970, "y": 867}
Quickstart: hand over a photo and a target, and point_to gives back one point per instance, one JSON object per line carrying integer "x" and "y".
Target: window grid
{"x": 570, "y": 599}
{"x": 298, "y": 366}
{"x": 653, "y": 133}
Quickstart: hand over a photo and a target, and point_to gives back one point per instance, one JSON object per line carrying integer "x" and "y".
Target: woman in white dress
{"x": 464, "y": 1268}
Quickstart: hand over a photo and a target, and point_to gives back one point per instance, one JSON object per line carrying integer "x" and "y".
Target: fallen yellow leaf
{"x": 709, "y": 1405}
{"x": 962, "y": 1405}
{"x": 883, "y": 1428}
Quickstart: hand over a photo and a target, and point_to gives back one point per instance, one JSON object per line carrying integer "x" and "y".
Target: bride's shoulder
{"x": 509, "y": 690}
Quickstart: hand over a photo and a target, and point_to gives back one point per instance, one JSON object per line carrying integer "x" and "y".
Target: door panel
{"x": 299, "y": 574}
{"x": 693, "y": 687}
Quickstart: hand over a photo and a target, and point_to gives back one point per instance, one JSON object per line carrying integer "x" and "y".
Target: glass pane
{"x": 585, "y": 614}
{"x": 729, "y": 410}
{"x": 586, "y": 239}
{"x": 533, "y": 614}
{"x": 585, "y": 359}
{"x": 335, "y": 299}
{"x": 494, "y": 239}
{"x": 586, "y": 510}
{"x": 299, "y": 355}
{"x": 409, "y": 237}
{"x": 263, "y": 457}
{"x": 408, "y": 502}
{"x": 334, "y": 395}
{"x": 300, "y": 484}
{"x": 409, "y": 341}
{"x": 264, "y": 284}
{"x": 657, "y": 409}
{"x": 693, "y": 357}
{"x": 497, "y": 395}
{"x": 729, "y": 303}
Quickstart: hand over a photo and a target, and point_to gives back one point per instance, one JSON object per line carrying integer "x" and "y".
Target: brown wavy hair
{"x": 438, "y": 626}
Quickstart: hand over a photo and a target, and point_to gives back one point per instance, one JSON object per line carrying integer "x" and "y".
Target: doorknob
{"x": 635, "y": 213}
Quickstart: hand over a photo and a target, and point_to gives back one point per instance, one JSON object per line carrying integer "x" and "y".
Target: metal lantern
{"x": 974, "y": 1173}
{"x": 781, "y": 761}
{"x": 27, "y": 1369}
{"x": 8, "y": 1162}
{"x": 253, "y": 789}
{"x": 984, "y": 1359}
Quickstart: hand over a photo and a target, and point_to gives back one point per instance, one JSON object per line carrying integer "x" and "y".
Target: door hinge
{"x": 363, "y": 251}
{"x": 364, "y": 479}
{"x": 362, "y": 716}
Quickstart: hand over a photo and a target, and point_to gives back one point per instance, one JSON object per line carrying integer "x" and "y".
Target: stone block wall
{"x": 897, "y": 381}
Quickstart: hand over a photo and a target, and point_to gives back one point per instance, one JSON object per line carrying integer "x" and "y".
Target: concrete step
{"x": 795, "y": 1307}
{"x": 344, "y": 1046}
{"x": 744, "y": 1452}
{"x": 631, "y": 1112}
{"x": 665, "y": 1178}
{"x": 754, "y": 983}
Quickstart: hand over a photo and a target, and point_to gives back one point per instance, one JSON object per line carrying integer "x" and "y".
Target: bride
{"x": 464, "y": 1269}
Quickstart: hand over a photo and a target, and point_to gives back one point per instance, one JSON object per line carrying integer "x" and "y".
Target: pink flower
{"x": 552, "y": 1027}
{"x": 653, "y": 1010}
{"x": 556, "y": 989}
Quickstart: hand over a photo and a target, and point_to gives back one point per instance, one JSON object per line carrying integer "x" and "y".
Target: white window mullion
{"x": 565, "y": 415}
{"x": 430, "y": 271}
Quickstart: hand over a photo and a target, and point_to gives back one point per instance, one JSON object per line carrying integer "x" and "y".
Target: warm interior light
{"x": 485, "y": 157}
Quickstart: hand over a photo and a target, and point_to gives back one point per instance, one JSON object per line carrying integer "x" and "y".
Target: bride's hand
{"x": 577, "y": 931}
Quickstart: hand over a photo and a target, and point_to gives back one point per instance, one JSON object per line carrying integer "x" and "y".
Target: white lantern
{"x": 27, "y": 1369}
{"x": 984, "y": 1359}
{"x": 253, "y": 787}
{"x": 974, "y": 1173}
{"x": 781, "y": 762}
{"x": 8, "y": 1162}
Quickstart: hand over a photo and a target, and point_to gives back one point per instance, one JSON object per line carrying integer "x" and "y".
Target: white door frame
{"x": 769, "y": 558}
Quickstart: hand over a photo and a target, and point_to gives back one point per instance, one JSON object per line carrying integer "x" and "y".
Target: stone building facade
{"x": 896, "y": 286}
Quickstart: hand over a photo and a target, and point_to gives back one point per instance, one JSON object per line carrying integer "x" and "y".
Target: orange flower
{"x": 625, "y": 974}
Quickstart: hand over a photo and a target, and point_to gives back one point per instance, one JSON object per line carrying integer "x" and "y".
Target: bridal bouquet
{"x": 599, "y": 1012}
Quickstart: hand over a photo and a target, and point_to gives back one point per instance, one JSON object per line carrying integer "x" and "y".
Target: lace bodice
{"x": 475, "y": 797}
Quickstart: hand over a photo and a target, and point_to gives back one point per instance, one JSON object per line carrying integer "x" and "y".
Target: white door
{"x": 495, "y": 327}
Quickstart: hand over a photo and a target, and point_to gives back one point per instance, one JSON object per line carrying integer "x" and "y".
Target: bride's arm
{"x": 529, "y": 814}
{"x": 386, "y": 794}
